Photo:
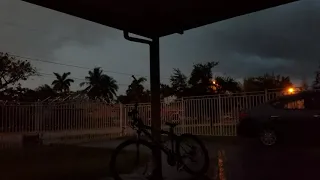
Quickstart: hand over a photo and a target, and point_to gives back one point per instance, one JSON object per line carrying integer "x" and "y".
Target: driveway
{"x": 169, "y": 173}
{"x": 246, "y": 160}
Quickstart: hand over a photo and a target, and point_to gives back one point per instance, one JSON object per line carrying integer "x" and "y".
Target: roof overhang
{"x": 156, "y": 18}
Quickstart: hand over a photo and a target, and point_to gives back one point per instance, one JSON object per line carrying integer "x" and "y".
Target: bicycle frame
{"x": 160, "y": 145}
{"x": 141, "y": 127}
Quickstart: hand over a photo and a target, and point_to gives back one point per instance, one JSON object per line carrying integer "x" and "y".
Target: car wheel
{"x": 268, "y": 137}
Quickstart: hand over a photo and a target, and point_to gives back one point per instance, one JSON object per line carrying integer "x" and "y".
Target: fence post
{"x": 37, "y": 118}
{"x": 121, "y": 119}
{"x": 183, "y": 116}
{"x": 265, "y": 95}
{"x": 220, "y": 116}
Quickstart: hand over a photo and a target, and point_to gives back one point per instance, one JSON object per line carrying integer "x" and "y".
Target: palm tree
{"x": 100, "y": 85}
{"x": 136, "y": 91}
{"x": 62, "y": 83}
{"x": 136, "y": 86}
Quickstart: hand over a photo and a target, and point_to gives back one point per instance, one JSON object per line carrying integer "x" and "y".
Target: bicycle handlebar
{"x": 137, "y": 122}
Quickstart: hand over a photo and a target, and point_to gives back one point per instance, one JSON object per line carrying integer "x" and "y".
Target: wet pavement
{"x": 247, "y": 160}
{"x": 169, "y": 173}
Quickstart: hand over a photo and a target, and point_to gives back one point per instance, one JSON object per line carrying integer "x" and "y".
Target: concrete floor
{"x": 168, "y": 171}
{"x": 247, "y": 160}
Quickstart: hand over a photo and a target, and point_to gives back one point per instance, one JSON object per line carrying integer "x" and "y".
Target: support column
{"x": 155, "y": 101}
{"x": 155, "y": 96}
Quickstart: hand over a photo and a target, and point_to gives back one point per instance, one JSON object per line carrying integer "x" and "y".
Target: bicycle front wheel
{"x": 132, "y": 159}
{"x": 193, "y": 153}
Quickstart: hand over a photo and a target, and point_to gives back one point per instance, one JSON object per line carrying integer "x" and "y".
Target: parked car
{"x": 295, "y": 117}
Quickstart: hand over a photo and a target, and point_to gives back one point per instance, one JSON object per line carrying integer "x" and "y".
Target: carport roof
{"x": 156, "y": 18}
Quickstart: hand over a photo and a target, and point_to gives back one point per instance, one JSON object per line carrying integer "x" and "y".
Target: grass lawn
{"x": 58, "y": 162}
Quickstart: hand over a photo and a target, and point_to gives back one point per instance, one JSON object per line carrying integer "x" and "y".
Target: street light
{"x": 213, "y": 81}
{"x": 290, "y": 90}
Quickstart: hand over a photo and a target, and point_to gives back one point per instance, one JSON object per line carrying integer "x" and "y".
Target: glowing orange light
{"x": 290, "y": 90}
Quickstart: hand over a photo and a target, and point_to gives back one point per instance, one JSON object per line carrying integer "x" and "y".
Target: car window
{"x": 295, "y": 104}
{"x": 310, "y": 102}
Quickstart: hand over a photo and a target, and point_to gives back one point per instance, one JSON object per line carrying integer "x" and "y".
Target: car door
{"x": 302, "y": 118}
{"x": 312, "y": 113}
{"x": 291, "y": 117}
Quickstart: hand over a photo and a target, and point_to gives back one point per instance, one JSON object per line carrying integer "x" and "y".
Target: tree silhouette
{"x": 201, "y": 78}
{"x": 266, "y": 82}
{"x": 316, "y": 82}
{"x": 226, "y": 84}
{"x": 304, "y": 84}
{"x": 44, "y": 87}
{"x": 17, "y": 93}
{"x": 136, "y": 91}
{"x": 45, "y": 91}
{"x": 166, "y": 90}
{"x": 100, "y": 85}
{"x": 13, "y": 70}
{"x": 178, "y": 82}
{"x": 62, "y": 83}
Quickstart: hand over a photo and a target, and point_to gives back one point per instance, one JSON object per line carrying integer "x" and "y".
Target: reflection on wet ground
{"x": 249, "y": 161}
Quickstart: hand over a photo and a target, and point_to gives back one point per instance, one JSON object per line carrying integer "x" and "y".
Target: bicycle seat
{"x": 172, "y": 125}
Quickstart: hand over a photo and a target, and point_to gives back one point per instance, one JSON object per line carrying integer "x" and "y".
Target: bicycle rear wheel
{"x": 132, "y": 159}
{"x": 189, "y": 152}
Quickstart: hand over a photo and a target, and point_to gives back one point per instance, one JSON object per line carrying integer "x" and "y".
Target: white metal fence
{"x": 209, "y": 115}
{"x": 77, "y": 122}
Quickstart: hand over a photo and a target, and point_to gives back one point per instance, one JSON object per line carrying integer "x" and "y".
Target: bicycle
{"x": 174, "y": 155}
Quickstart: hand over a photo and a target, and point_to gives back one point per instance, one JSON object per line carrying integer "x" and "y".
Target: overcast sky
{"x": 284, "y": 40}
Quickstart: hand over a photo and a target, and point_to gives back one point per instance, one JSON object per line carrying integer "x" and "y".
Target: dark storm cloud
{"x": 289, "y": 32}
{"x": 38, "y": 29}
{"x": 282, "y": 40}
{"x": 285, "y": 39}
{"x": 36, "y": 32}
